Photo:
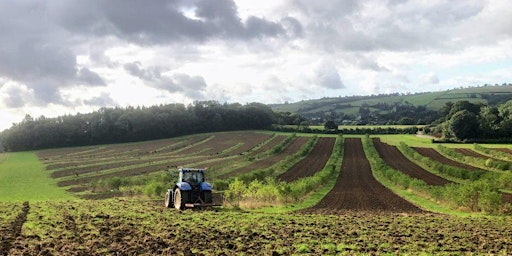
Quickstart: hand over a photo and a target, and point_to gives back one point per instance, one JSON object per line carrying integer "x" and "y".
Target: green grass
{"x": 23, "y": 178}
{"x": 410, "y": 140}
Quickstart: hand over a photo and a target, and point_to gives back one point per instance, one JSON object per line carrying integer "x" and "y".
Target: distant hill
{"x": 390, "y": 108}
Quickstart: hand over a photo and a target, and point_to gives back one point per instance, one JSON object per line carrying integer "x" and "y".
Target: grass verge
{"x": 23, "y": 178}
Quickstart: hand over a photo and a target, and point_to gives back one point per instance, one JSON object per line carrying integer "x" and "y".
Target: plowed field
{"x": 394, "y": 158}
{"x": 357, "y": 190}
{"x": 121, "y": 227}
{"x": 313, "y": 163}
{"x": 436, "y": 156}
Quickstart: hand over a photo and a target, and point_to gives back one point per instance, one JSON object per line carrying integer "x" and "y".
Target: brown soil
{"x": 313, "y": 163}
{"x": 436, "y": 156}
{"x": 357, "y": 190}
{"x": 394, "y": 158}
{"x": 8, "y": 237}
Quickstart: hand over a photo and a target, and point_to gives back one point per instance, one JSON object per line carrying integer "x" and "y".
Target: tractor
{"x": 190, "y": 191}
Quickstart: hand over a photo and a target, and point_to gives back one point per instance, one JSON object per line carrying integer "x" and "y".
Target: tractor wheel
{"x": 168, "y": 200}
{"x": 207, "y": 197}
{"x": 178, "y": 200}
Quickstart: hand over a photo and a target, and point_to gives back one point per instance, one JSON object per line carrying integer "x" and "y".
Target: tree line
{"x": 116, "y": 125}
{"x": 464, "y": 121}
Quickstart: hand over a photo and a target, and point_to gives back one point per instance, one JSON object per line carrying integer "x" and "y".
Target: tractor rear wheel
{"x": 178, "y": 199}
{"x": 168, "y": 199}
{"x": 207, "y": 197}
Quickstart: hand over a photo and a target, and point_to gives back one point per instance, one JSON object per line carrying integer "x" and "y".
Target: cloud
{"x": 327, "y": 76}
{"x": 103, "y": 100}
{"x": 190, "y": 86}
{"x": 40, "y": 41}
{"x": 14, "y": 96}
{"x": 162, "y": 22}
{"x": 135, "y": 69}
{"x": 89, "y": 77}
{"x": 430, "y": 78}
{"x": 373, "y": 25}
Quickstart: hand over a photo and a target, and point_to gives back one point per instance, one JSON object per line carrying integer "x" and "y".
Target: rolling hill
{"x": 350, "y": 108}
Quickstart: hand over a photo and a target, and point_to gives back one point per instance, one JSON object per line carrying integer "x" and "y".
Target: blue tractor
{"x": 190, "y": 191}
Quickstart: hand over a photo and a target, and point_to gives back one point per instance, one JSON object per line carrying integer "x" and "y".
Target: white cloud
{"x": 430, "y": 78}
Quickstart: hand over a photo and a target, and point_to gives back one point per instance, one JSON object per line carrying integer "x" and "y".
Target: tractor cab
{"x": 194, "y": 177}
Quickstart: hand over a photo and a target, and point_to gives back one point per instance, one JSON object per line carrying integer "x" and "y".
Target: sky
{"x": 74, "y": 56}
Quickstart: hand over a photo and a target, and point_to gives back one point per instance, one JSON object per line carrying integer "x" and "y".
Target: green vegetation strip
{"x": 23, "y": 178}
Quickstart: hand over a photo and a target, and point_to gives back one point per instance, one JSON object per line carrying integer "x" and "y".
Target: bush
{"x": 235, "y": 192}
{"x": 154, "y": 189}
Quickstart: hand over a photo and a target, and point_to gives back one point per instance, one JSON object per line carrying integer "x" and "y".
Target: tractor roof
{"x": 191, "y": 170}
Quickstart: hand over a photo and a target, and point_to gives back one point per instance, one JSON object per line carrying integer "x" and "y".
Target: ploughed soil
{"x": 433, "y": 154}
{"x": 313, "y": 163}
{"x": 9, "y": 236}
{"x": 357, "y": 190}
{"x": 394, "y": 158}
{"x": 141, "y": 227}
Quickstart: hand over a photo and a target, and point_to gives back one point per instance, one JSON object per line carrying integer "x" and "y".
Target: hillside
{"x": 383, "y": 108}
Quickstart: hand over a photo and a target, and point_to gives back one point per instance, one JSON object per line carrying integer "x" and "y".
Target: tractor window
{"x": 193, "y": 178}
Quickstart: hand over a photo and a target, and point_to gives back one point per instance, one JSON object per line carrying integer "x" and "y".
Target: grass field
{"x": 23, "y": 178}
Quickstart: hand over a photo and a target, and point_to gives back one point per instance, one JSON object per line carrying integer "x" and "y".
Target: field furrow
{"x": 394, "y": 158}
{"x": 357, "y": 190}
{"x": 313, "y": 163}
{"x": 433, "y": 154}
